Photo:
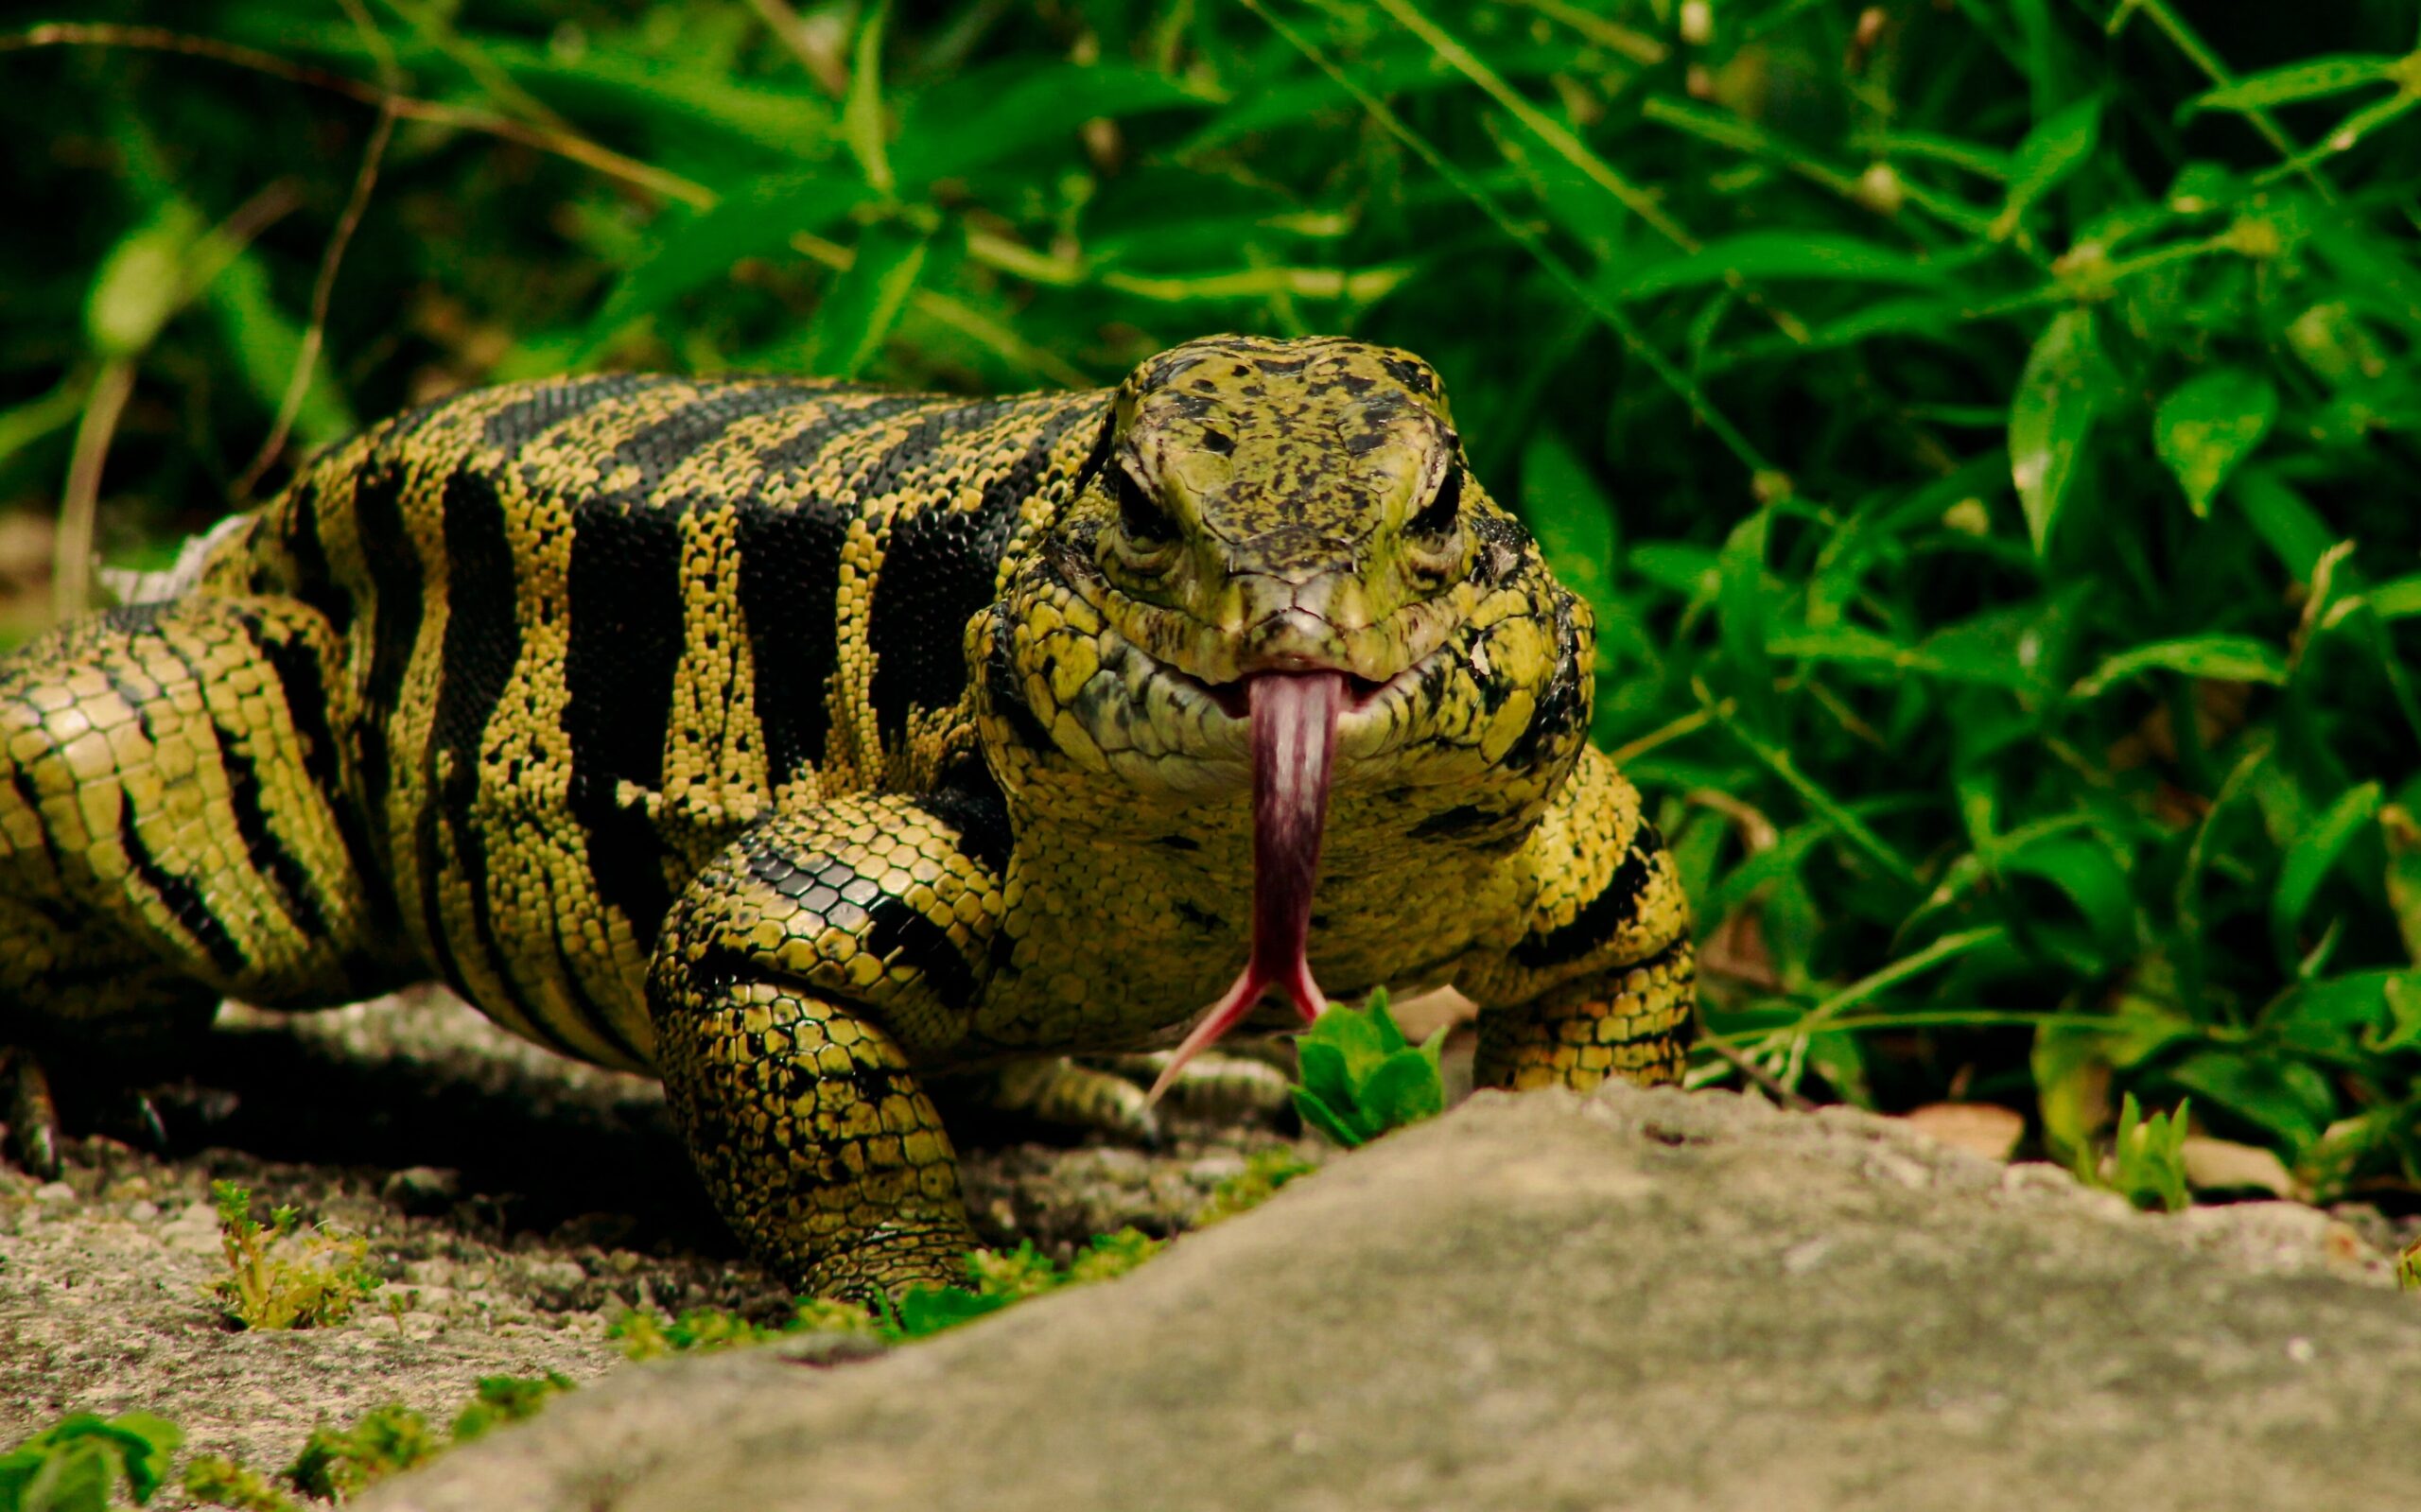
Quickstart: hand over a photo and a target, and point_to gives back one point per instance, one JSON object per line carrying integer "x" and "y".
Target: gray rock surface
{"x": 514, "y": 1203}
{"x": 1644, "y": 1300}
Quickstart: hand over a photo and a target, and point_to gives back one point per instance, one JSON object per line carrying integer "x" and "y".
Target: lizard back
{"x": 596, "y": 626}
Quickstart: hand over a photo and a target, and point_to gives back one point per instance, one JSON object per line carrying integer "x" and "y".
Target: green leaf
{"x": 1355, "y": 1035}
{"x": 2398, "y": 600}
{"x": 2051, "y": 416}
{"x": 2228, "y": 658}
{"x": 1948, "y": 654}
{"x": 2049, "y": 153}
{"x": 1320, "y": 1065}
{"x": 1688, "y": 570}
{"x": 923, "y": 1311}
{"x": 146, "y": 1441}
{"x": 39, "y": 418}
{"x": 266, "y": 343}
{"x": 1573, "y": 519}
{"x": 142, "y": 282}
{"x": 2334, "y": 1016}
{"x": 75, "y": 1477}
{"x": 2093, "y": 881}
{"x": 758, "y": 216}
{"x": 2289, "y": 525}
{"x": 976, "y": 120}
{"x": 1274, "y": 103}
{"x": 1759, "y": 256}
{"x": 1316, "y": 1112}
{"x": 1742, "y": 602}
{"x": 2404, "y": 1017}
{"x": 2309, "y": 862}
{"x": 2071, "y": 1069}
{"x": 2208, "y": 424}
{"x": 2402, "y": 838}
{"x": 2287, "y": 1098}
{"x": 865, "y": 304}
{"x": 1391, "y": 1038}
{"x": 862, "y": 123}
{"x": 2309, "y": 80}
{"x": 1407, "y": 1088}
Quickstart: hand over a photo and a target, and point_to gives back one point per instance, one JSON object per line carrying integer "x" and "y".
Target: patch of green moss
{"x": 997, "y": 1278}
{"x": 1264, "y": 1172}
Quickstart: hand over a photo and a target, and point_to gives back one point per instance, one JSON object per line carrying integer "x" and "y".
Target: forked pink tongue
{"x": 1294, "y": 745}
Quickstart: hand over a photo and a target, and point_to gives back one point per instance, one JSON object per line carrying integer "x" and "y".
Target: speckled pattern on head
{"x": 799, "y": 741}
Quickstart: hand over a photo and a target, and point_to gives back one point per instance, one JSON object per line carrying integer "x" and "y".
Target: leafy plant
{"x": 2147, "y": 1161}
{"x": 337, "y": 1462}
{"x": 507, "y": 1399}
{"x": 216, "y": 1480}
{"x": 284, "y": 1277}
{"x": 1360, "y": 1077}
{"x": 78, "y": 1462}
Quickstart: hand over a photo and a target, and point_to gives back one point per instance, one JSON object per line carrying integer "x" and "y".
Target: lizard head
{"x": 1276, "y": 568}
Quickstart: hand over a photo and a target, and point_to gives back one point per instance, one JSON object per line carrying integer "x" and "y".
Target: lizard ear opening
{"x": 1438, "y": 516}
{"x": 1140, "y": 517}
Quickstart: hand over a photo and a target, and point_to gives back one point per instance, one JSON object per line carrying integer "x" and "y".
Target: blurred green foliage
{"x": 1985, "y": 428}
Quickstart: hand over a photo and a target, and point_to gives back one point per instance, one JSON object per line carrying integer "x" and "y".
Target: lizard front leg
{"x": 796, "y": 987}
{"x": 1602, "y": 981}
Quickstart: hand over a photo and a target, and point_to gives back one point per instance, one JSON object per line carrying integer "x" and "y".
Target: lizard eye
{"x": 1437, "y": 518}
{"x": 1140, "y": 515}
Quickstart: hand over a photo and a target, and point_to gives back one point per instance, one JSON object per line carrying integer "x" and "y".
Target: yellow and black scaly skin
{"x": 799, "y": 742}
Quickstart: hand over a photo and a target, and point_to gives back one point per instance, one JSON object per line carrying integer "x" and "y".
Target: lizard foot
{"x": 33, "y": 1114}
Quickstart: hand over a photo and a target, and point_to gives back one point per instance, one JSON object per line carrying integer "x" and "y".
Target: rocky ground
{"x": 1645, "y": 1300}
{"x": 514, "y": 1203}
{"x": 1641, "y": 1299}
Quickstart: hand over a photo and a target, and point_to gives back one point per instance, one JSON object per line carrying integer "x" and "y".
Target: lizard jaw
{"x": 1294, "y": 719}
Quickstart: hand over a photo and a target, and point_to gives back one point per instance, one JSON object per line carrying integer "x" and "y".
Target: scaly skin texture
{"x": 799, "y": 742}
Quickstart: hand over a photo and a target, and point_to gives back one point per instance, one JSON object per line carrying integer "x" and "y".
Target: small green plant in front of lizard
{"x": 2147, "y": 1161}
{"x": 216, "y": 1480}
{"x": 1358, "y": 1076}
{"x": 280, "y": 1275}
{"x": 78, "y": 1462}
{"x": 337, "y": 1463}
{"x": 1003, "y": 1276}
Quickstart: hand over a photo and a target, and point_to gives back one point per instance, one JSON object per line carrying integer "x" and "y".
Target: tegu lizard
{"x": 797, "y": 741}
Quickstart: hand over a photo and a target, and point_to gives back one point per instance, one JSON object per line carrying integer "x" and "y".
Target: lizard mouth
{"x": 1294, "y": 717}
{"x": 1233, "y": 698}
